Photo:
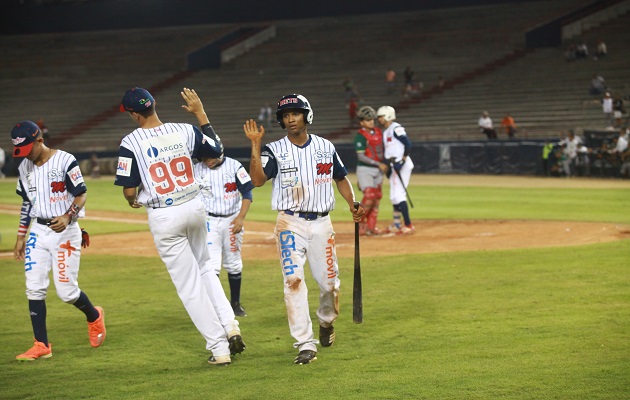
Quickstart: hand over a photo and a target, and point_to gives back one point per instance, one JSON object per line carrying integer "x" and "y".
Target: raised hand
{"x": 253, "y": 132}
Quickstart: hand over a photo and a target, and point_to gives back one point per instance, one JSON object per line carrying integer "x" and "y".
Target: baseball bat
{"x": 392, "y": 161}
{"x": 357, "y": 291}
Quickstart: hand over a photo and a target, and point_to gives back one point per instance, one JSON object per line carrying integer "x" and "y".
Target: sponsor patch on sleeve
{"x": 124, "y": 166}
{"x": 75, "y": 176}
{"x": 243, "y": 176}
{"x": 264, "y": 160}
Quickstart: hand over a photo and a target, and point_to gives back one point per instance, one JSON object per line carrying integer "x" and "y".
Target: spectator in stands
{"x": 390, "y": 80}
{"x": 510, "y": 126}
{"x": 264, "y": 117}
{"x": 598, "y": 85}
{"x": 607, "y": 108}
{"x": 2, "y": 161}
{"x": 409, "y": 73}
{"x": 618, "y": 111}
{"x": 601, "y": 51}
{"x": 350, "y": 89}
{"x": 486, "y": 126}
{"x": 581, "y": 52}
{"x": 352, "y": 111}
{"x": 441, "y": 82}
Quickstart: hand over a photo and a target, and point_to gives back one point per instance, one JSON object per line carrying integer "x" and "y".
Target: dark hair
{"x": 148, "y": 112}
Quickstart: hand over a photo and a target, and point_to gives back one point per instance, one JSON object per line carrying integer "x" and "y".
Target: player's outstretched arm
{"x": 255, "y": 135}
{"x": 194, "y": 105}
{"x": 345, "y": 189}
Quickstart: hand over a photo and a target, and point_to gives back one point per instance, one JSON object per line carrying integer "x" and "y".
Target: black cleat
{"x": 236, "y": 344}
{"x": 239, "y": 311}
{"x": 220, "y": 361}
{"x": 326, "y": 336}
{"x": 305, "y": 357}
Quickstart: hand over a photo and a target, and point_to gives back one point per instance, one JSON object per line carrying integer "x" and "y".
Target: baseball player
{"x": 368, "y": 144}
{"x": 397, "y": 148}
{"x": 157, "y": 158}
{"x": 227, "y": 195}
{"x": 303, "y": 167}
{"x": 53, "y": 195}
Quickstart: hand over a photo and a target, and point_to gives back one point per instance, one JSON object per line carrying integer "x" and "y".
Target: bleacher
{"x": 75, "y": 80}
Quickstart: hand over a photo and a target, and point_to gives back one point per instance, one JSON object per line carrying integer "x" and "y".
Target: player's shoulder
{"x": 321, "y": 142}
{"x": 232, "y": 162}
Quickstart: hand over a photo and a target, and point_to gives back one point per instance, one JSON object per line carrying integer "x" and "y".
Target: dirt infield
{"x": 431, "y": 236}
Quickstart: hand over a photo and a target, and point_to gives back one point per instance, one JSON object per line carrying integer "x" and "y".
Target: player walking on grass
{"x": 368, "y": 144}
{"x": 53, "y": 195}
{"x": 303, "y": 167}
{"x": 227, "y": 195}
{"x": 157, "y": 157}
{"x": 397, "y": 148}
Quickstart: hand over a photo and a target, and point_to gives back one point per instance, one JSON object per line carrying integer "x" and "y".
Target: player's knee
{"x": 69, "y": 297}
{"x": 370, "y": 194}
{"x": 36, "y": 294}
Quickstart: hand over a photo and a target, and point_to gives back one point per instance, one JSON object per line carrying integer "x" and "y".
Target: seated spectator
{"x": 581, "y": 52}
{"x": 509, "y": 125}
{"x": 618, "y": 111}
{"x": 485, "y": 124}
{"x": 598, "y": 85}
{"x": 602, "y": 50}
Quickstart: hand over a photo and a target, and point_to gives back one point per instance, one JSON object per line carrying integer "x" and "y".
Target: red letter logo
{"x": 230, "y": 187}
{"x": 58, "y": 187}
{"x": 324, "y": 169}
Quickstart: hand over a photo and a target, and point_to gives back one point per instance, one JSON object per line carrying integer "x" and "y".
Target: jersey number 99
{"x": 167, "y": 177}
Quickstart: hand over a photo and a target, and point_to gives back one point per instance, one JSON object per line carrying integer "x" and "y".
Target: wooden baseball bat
{"x": 357, "y": 291}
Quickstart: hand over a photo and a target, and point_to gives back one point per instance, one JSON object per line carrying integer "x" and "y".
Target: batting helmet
{"x": 294, "y": 101}
{"x": 387, "y": 112}
{"x": 366, "y": 113}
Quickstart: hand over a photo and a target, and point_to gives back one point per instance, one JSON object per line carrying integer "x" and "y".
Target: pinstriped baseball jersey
{"x": 159, "y": 161}
{"x": 223, "y": 186}
{"x": 394, "y": 147}
{"x": 302, "y": 175}
{"x": 51, "y": 187}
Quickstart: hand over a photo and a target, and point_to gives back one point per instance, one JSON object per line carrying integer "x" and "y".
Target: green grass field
{"x": 549, "y": 323}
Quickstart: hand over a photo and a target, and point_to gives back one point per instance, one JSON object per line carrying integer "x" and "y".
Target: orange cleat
{"x": 96, "y": 329}
{"x": 39, "y": 350}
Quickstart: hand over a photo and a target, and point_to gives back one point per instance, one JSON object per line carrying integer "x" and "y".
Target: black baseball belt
{"x": 309, "y": 216}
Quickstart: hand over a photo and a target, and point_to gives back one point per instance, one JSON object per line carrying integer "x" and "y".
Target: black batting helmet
{"x": 294, "y": 101}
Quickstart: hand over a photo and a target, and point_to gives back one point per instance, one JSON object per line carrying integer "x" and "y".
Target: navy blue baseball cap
{"x": 24, "y": 135}
{"x": 136, "y": 100}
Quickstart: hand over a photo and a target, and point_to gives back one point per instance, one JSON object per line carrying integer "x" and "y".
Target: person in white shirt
{"x": 486, "y": 126}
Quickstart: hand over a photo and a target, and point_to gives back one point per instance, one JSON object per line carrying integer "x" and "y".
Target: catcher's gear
{"x": 294, "y": 101}
{"x": 387, "y": 112}
{"x": 85, "y": 238}
{"x": 366, "y": 113}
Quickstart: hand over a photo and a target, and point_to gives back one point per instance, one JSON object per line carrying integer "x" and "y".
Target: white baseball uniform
{"x": 303, "y": 194}
{"x": 159, "y": 162}
{"x": 223, "y": 188}
{"x": 49, "y": 191}
{"x": 393, "y": 139}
